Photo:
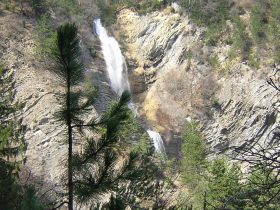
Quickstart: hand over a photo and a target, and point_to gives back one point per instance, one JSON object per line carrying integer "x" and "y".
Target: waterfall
{"x": 117, "y": 71}
{"x": 158, "y": 143}
{"x": 114, "y": 59}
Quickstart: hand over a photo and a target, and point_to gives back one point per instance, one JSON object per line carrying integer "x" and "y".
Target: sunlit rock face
{"x": 172, "y": 82}
{"x": 36, "y": 87}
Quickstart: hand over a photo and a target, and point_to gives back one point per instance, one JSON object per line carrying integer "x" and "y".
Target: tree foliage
{"x": 97, "y": 169}
{"x": 223, "y": 180}
{"x": 12, "y": 144}
{"x": 257, "y": 19}
{"x": 194, "y": 155}
{"x": 242, "y": 41}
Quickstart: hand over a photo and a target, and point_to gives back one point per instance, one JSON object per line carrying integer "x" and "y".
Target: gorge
{"x": 171, "y": 82}
{"x": 165, "y": 60}
{"x": 117, "y": 70}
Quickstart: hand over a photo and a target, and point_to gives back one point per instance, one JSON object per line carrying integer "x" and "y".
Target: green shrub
{"x": 92, "y": 51}
{"x": 231, "y": 54}
{"x": 138, "y": 7}
{"x": 215, "y": 14}
{"x": 108, "y": 15}
{"x": 156, "y": 4}
{"x": 254, "y": 60}
{"x": 209, "y": 113}
{"x": 45, "y": 37}
{"x": 214, "y": 60}
{"x": 68, "y": 5}
{"x": 216, "y": 102}
{"x": 13, "y": 6}
{"x": 241, "y": 10}
{"x": 211, "y": 36}
{"x": 257, "y": 17}
{"x": 214, "y": 17}
{"x": 275, "y": 8}
{"x": 242, "y": 42}
{"x": 229, "y": 40}
{"x": 6, "y": 6}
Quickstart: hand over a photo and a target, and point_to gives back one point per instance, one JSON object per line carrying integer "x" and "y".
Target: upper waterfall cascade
{"x": 117, "y": 71}
{"x": 114, "y": 59}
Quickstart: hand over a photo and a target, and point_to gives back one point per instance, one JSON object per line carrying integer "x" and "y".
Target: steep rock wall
{"x": 36, "y": 85}
{"x": 172, "y": 82}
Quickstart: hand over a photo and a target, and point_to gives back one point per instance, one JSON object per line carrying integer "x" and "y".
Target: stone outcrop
{"x": 36, "y": 85}
{"x": 173, "y": 81}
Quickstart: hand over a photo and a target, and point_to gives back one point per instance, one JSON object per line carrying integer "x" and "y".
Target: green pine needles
{"x": 12, "y": 144}
{"x": 97, "y": 169}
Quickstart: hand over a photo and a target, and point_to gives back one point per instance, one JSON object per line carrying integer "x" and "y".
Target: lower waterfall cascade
{"x": 117, "y": 71}
{"x": 158, "y": 143}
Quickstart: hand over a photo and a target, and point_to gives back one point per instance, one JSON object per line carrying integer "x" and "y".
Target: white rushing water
{"x": 158, "y": 143}
{"x": 114, "y": 59}
{"x": 117, "y": 71}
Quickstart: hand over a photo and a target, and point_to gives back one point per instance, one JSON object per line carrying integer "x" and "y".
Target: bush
{"x": 241, "y": 10}
{"x": 92, "y": 51}
{"x": 254, "y": 60}
{"x": 108, "y": 15}
{"x": 156, "y": 4}
{"x": 216, "y": 102}
{"x": 211, "y": 36}
{"x": 229, "y": 40}
{"x": 45, "y": 38}
{"x": 257, "y": 19}
{"x": 231, "y": 54}
{"x": 275, "y": 8}
{"x": 242, "y": 41}
{"x": 6, "y": 6}
{"x": 69, "y": 6}
{"x": 215, "y": 14}
{"x": 214, "y": 60}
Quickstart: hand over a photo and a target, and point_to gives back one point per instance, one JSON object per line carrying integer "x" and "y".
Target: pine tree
{"x": 242, "y": 41}
{"x": 223, "y": 181}
{"x": 12, "y": 144}
{"x": 194, "y": 155}
{"x": 92, "y": 172}
{"x": 257, "y": 22}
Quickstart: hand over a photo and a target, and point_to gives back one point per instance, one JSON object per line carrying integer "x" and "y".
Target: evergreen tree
{"x": 257, "y": 22}
{"x": 92, "y": 172}
{"x": 10, "y": 195}
{"x": 12, "y": 144}
{"x": 223, "y": 185}
{"x": 242, "y": 41}
{"x": 194, "y": 155}
{"x": 30, "y": 201}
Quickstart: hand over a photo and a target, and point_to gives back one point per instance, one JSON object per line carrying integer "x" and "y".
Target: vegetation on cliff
{"x": 142, "y": 180}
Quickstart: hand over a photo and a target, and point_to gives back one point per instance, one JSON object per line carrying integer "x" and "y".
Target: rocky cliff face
{"x": 35, "y": 85}
{"x": 172, "y": 82}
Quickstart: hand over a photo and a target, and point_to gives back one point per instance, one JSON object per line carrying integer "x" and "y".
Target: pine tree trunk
{"x": 70, "y": 171}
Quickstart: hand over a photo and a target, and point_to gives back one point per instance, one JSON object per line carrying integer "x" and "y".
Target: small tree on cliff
{"x": 194, "y": 155}
{"x": 92, "y": 172}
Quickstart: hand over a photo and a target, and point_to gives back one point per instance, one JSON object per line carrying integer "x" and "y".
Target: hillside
{"x": 207, "y": 63}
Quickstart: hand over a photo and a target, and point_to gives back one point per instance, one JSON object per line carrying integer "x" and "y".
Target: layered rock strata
{"x": 172, "y": 81}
